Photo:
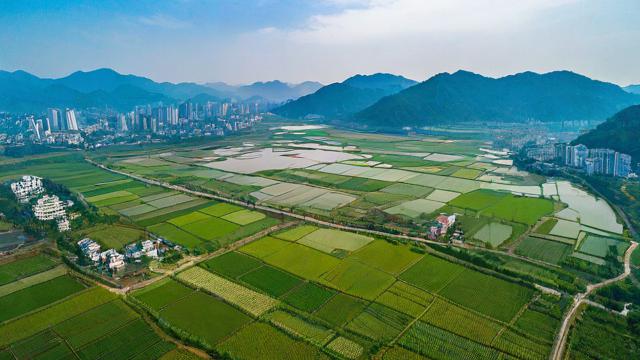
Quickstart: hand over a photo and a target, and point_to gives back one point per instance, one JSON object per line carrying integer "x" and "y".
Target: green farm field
{"x": 37, "y": 296}
{"x": 159, "y": 295}
{"x": 270, "y": 280}
{"x": 546, "y": 250}
{"x": 15, "y": 270}
{"x": 263, "y": 341}
{"x": 205, "y": 317}
{"x": 308, "y": 297}
{"x": 231, "y": 264}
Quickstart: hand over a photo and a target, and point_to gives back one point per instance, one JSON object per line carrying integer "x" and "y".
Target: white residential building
{"x": 27, "y": 187}
{"x": 90, "y": 248}
{"x": 113, "y": 259}
{"x": 63, "y": 224}
{"x": 49, "y": 208}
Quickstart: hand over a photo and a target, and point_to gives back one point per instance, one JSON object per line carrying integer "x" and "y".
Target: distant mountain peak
{"x": 339, "y": 100}
{"x": 468, "y": 97}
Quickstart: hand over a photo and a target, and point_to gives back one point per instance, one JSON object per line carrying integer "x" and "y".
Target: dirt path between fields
{"x": 581, "y": 298}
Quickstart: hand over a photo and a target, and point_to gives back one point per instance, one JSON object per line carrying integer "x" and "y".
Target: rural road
{"x": 561, "y": 339}
{"x": 303, "y": 217}
{"x": 311, "y": 219}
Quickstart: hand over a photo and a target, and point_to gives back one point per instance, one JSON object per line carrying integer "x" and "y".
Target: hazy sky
{"x": 325, "y": 40}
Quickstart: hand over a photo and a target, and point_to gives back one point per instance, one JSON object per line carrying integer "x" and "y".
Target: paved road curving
{"x": 581, "y": 298}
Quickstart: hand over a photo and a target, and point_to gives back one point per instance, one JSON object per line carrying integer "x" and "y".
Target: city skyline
{"x": 326, "y": 41}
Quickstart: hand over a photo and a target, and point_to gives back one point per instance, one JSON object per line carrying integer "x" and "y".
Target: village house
{"x": 50, "y": 207}
{"x": 27, "y": 187}
{"x": 441, "y": 226}
{"x": 90, "y": 248}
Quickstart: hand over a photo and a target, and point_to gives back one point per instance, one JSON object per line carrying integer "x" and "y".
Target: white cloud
{"x": 163, "y": 21}
{"x": 384, "y": 19}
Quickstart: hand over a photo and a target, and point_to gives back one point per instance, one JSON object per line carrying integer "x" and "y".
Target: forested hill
{"x": 620, "y": 133}
{"x": 340, "y": 100}
{"x": 467, "y": 97}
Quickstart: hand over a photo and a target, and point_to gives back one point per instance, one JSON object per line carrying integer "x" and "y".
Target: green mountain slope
{"x": 469, "y": 97}
{"x": 620, "y": 132}
{"x": 340, "y": 100}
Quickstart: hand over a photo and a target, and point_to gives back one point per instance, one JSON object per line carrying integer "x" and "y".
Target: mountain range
{"x": 635, "y": 89}
{"x": 24, "y": 92}
{"x": 620, "y": 132}
{"x": 273, "y": 91}
{"x": 340, "y": 100}
{"x": 467, "y": 97}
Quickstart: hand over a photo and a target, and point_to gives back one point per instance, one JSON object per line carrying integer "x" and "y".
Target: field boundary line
{"x": 73, "y": 351}
{"x": 560, "y": 342}
{"x": 42, "y": 308}
{"x": 298, "y": 216}
{"x": 511, "y": 323}
{"x": 416, "y": 319}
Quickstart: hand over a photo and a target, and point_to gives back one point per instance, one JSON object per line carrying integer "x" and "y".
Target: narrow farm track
{"x": 197, "y": 259}
{"x": 581, "y": 298}
{"x": 303, "y": 217}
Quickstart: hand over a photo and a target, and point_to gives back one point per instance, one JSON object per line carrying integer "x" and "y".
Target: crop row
{"x": 379, "y": 323}
{"x": 346, "y": 347}
{"x": 461, "y": 322}
{"x": 301, "y": 328}
{"x": 253, "y": 302}
{"x": 522, "y": 347}
{"x": 439, "y": 344}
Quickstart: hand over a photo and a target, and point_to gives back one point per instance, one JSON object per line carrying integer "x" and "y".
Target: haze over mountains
{"x": 467, "y": 97}
{"x": 339, "y": 100}
{"x": 24, "y": 92}
{"x": 368, "y": 101}
{"x": 635, "y": 89}
{"x": 620, "y": 133}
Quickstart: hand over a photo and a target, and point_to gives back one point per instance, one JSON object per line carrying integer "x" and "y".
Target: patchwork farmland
{"x": 48, "y": 312}
{"x": 350, "y": 298}
{"x": 317, "y": 290}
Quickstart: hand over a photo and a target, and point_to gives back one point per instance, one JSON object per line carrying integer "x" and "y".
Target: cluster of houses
{"x": 113, "y": 260}
{"x": 442, "y": 225}
{"x": 47, "y": 207}
{"x": 27, "y": 187}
